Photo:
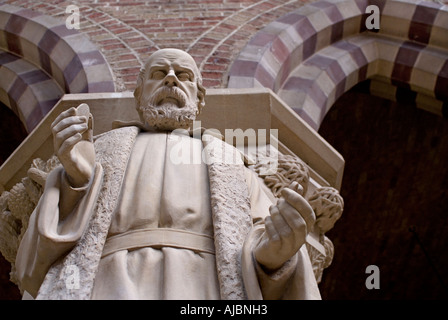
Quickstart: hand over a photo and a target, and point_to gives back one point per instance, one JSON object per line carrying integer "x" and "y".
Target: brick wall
{"x": 127, "y": 32}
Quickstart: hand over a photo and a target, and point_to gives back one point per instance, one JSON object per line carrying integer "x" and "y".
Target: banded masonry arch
{"x": 41, "y": 60}
{"x": 313, "y": 55}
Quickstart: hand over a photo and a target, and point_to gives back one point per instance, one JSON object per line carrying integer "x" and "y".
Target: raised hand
{"x": 290, "y": 220}
{"x": 72, "y": 138}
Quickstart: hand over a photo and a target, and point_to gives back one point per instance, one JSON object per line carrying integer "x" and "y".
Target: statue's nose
{"x": 171, "y": 79}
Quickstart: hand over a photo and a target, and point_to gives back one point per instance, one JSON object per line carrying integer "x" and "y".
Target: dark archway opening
{"x": 395, "y": 189}
{"x": 12, "y": 133}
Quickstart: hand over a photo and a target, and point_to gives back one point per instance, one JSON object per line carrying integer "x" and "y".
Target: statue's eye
{"x": 183, "y": 76}
{"x": 158, "y": 75}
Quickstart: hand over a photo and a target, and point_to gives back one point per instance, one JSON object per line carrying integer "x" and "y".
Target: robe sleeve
{"x": 295, "y": 280}
{"x": 51, "y": 232}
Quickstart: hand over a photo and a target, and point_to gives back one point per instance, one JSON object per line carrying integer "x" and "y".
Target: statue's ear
{"x": 201, "y": 103}
{"x": 137, "y": 93}
{"x": 139, "y": 87}
{"x": 201, "y": 97}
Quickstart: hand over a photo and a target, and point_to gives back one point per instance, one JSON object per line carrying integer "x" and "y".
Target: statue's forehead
{"x": 171, "y": 57}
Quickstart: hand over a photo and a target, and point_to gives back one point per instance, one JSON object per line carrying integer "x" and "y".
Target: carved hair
{"x": 328, "y": 204}
{"x": 289, "y": 169}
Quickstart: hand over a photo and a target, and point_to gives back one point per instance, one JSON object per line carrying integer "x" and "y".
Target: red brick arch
{"x": 27, "y": 90}
{"x": 313, "y": 55}
{"x": 41, "y": 59}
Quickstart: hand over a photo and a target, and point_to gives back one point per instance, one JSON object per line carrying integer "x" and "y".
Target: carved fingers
{"x": 295, "y": 186}
{"x": 72, "y": 146}
{"x": 301, "y": 205}
{"x": 286, "y": 229}
{"x": 67, "y": 130}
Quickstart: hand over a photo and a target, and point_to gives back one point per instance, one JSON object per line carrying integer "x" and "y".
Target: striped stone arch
{"x": 41, "y": 59}
{"x": 311, "y": 56}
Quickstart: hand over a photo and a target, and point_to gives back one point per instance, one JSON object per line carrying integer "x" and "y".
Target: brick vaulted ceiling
{"x": 127, "y": 32}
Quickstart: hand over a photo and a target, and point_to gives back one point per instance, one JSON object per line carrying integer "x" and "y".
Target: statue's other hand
{"x": 73, "y": 145}
{"x": 286, "y": 229}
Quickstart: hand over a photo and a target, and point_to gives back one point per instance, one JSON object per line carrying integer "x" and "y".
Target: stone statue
{"x": 120, "y": 219}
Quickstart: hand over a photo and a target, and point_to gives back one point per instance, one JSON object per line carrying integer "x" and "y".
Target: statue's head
{"x": 169, "y": 93}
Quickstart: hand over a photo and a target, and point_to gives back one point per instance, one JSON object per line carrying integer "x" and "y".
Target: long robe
{"x": 159, "y": 198}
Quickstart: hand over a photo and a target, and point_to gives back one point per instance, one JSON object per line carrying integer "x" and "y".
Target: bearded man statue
{"x": 125, "y": 221}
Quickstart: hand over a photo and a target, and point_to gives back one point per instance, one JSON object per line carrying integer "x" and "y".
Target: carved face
{"x": 170, "y": 94}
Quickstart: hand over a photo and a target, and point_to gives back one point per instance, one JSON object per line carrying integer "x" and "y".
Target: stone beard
{"x": 168, "y": 109}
